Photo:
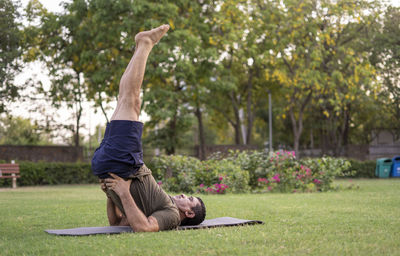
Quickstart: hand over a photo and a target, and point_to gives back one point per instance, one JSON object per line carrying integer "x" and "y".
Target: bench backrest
{"x": 9, "y": 169}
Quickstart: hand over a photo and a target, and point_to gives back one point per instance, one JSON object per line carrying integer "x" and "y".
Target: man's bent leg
{"x": 128, "y": 106}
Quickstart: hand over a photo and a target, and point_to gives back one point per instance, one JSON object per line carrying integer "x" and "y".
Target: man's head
{"x": 192, "y": 209}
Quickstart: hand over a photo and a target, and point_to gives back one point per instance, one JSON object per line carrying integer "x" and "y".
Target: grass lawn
{"x": 365, "y": 221}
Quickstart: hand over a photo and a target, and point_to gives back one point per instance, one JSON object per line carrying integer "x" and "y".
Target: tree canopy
{"x": 10, "y": 50}
{"x": 328, "y": 64}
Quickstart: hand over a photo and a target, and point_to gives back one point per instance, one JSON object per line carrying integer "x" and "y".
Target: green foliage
{"x": 254, "y": 162}
{"x": 324, "y": 171}
{"x": 385, "y": 57}
{"x": 361, "y": 169}
{"x": 245, "y": 171}
{"x": 10, "y": 50}
{"x": 20, "y": 131}
{"x": 44, "y": 173}
{"x": 219, "y": 59}
{"x": 229, "y": 173}
{"x": 176, "y": 172}
{"x": 188, "y": 174}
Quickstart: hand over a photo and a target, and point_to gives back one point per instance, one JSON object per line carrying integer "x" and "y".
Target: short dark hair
{"x": 199, "y": 215}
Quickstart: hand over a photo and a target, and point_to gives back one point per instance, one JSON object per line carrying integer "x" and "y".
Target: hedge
{"x": 44, "y": 173}
{"x": 362, "y": 169}
{"x": 237, "y": 172}
{"x": 248, "y": 172}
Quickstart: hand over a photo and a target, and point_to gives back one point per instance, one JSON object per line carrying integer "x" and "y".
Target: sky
{"x": 92, "y": 116}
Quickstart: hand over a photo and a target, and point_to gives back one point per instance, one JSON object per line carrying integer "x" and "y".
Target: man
{"x": 133, "y": 196}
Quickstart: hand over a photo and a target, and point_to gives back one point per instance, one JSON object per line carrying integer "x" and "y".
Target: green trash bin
{"x": 383, "y": 167}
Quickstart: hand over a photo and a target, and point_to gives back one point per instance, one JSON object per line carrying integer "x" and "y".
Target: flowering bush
{"x": 217, "y": 188}
{"x": 188, "y": 174}
{"x": 242, "y": 171}
{"x": 176, "y": 173}
{"x": 254, "y": 163}
{"x": 287, "y": 174}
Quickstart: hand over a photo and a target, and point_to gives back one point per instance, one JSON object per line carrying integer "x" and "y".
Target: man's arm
{"x": 113, "y": 218}
{"x": 135, "y": 217}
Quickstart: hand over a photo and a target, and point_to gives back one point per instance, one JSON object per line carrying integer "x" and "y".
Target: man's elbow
{"x": 144, "y": 229}
{"x": 150, "y": 226}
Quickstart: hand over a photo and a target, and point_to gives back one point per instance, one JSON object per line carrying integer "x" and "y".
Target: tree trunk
{"x": 101, "y": 107}
{"x": 78, "y": 101}
{"x": 250, "y": 117}
{"x": 311, "y": 139}
{"x": 296, "y": 131}
{"x": 202, "y": 151}
{"x": 237, "y": 119}
{"x": 297, "y": 125}
{"x": 170, "y": 149}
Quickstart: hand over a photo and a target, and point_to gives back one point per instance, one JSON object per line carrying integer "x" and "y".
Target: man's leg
{"x": 128, "y": 106}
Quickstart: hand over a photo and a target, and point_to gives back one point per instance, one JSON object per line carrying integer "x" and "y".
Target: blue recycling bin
{"x": 395, "y": 172}
{"x": 383, "y": 167}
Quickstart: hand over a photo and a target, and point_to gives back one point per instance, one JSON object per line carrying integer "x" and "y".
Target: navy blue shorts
{"x": 120, "y": 152}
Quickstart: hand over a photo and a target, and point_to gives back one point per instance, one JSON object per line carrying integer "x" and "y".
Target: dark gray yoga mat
{"x": 211, "y": 223}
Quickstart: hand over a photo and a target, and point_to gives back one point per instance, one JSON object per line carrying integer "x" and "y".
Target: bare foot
{"x": 152, "y": 36}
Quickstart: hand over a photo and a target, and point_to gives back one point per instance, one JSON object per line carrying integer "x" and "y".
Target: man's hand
{"x": 103, "y": 185}
{"x": 118, "y": 185}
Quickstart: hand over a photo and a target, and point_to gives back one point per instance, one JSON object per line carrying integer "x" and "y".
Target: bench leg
{"x": 14, "y": 181}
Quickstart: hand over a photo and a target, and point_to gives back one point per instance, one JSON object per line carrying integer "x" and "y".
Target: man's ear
{"x": 189, "y": 214}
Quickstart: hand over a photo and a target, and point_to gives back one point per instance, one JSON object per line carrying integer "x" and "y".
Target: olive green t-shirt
{"x": 151, "y": 199}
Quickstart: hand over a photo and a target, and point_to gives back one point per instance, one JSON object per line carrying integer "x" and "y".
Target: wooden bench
{"x": 10, "y": 171}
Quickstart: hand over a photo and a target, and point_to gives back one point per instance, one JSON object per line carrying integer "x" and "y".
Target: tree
{"x": 20, "y": 131}
{"x": 193, "y": 63}
{"x": 240, "y": 44}
{"x": 60, "y": 42}
{"x": 386, "y": 59}
{"x": 10, "y": 50}
{"x": 316, "y": 61}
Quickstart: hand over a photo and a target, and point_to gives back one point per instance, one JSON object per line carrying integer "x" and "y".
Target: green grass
{"x": 365, "y": 221}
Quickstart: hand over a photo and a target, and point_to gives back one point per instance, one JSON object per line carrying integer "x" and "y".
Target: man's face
{"x": 185, "y": 203}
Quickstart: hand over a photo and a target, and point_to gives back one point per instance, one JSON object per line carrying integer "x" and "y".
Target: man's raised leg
{"x": 128, "y": 106}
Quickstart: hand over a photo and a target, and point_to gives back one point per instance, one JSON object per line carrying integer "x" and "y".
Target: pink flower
{"x": 220, "y": 178}
{"x": 201, "y": 185}
{"x": 276, "y": 178}
{"x": 159, "y": 183}
{"x": 317, "y": 181}
{"x": 269, "y": 188}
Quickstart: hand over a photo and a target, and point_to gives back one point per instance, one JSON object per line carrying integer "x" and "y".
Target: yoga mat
{"x": 211, "y": 223}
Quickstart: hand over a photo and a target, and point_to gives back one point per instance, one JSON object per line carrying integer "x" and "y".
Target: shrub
{"x": 361, "y": 169}
{"x": 177, "y": 173}
{"x": 242, "y": 171}
{"x": 287, "y": 174}
{"x": 325, "y": 169}
{"x": 188, "y": 175}
{"x": 44, "y": 173}
{"x": 232, "y": 174}
{"x": 254, "y": 162}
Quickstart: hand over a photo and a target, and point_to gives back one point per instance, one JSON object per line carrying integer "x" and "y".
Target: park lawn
{"x": 364, "y": 221}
